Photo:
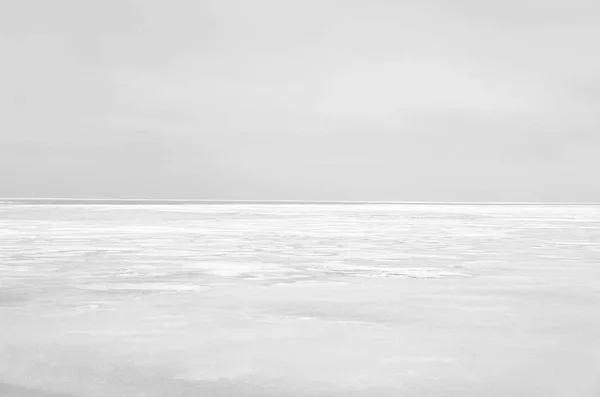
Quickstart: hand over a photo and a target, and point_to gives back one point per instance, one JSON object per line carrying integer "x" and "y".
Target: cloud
{"x": 313, "y": 99}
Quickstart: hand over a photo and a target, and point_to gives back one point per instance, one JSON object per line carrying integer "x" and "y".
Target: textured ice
{"x": 300, "y": 300}
{"x": 141, "y": 287}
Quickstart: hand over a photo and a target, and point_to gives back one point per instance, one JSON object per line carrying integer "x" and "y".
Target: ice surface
{"x": 300, "y": 300}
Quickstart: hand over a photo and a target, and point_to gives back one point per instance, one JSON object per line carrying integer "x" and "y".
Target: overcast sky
{"x": 308, "y": 99}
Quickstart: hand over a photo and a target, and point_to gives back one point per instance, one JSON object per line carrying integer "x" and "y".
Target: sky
{"x": 410, "y": 100}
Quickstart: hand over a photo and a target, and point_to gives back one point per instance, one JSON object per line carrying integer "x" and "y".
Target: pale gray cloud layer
{"x": 313, "y": 99}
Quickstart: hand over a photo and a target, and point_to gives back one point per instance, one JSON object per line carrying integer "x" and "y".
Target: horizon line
{"x": 294, "y": 201}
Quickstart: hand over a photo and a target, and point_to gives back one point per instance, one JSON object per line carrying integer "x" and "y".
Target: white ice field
{"x": 299, "y": 300}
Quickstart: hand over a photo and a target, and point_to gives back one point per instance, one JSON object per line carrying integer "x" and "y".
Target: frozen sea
{"x": 290, "y": 300}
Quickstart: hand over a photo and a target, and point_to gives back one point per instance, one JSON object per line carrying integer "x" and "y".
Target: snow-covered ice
{"x": 300, "y": 300}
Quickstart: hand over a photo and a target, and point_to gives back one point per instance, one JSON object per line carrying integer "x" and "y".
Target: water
{"x": 299, "y": 300}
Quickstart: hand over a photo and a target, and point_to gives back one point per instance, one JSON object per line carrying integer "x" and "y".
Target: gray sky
{"x": 313, "y": 99}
